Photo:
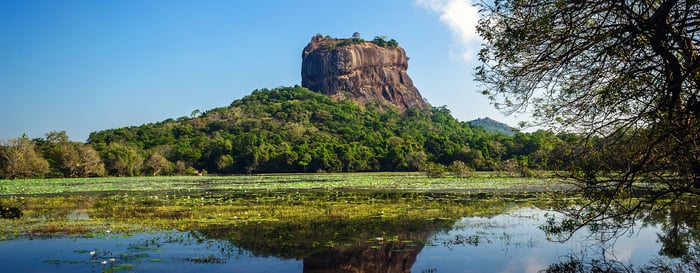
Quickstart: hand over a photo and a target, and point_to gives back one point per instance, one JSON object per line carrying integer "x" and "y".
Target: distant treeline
{"x": 288, "y": 129}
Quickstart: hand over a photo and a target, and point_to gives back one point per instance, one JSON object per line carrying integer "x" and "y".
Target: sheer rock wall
{"x": 359, "y": 71}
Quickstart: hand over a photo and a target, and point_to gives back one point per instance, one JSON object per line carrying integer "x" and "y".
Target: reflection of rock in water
{"x": 388, "y": 257}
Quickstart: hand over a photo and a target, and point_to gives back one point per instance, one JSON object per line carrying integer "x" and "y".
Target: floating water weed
{"x": 211, "y": 259}
{"x": 377, "y": 181}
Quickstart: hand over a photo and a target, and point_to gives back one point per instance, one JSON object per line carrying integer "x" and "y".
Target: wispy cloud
{"x": 461, "y": 17}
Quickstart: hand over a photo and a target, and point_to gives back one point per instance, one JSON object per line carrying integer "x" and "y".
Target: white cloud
{"x": 461, "y": 17}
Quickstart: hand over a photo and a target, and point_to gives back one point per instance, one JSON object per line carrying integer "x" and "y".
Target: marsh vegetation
{"x": 312, "y": 223}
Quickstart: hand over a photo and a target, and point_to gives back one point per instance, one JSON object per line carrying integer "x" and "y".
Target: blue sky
{"x": 84, "y": 66}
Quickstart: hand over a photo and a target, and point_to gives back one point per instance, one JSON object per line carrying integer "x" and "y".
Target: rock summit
{"x": 361, "y": 71}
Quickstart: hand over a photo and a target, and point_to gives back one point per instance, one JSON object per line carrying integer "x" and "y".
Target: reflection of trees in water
{"x": 10, "y": 212}
{"x": 338, "y": 232}
{"x": 575, "y": 264}
{"x": 11, "y": 209}
{"x": 396, "y": 256}
{"x": 386, "y": 236}
{"x": 338, "y": 245}
{"x": 677, "y": 219}
{"x": 680, "y": 224}
{"x": 330, "y": 231}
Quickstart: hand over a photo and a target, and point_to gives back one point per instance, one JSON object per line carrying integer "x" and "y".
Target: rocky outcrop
{"x": 360, "y": 71}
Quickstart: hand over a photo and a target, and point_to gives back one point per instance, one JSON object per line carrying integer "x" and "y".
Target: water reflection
{"x": 143, "y": 252}
{"x": 514, "y": 242}
{"x": 10, "y": 212}
{"x": 329, "y": 232}
{"x": 373, "y": 256}
{"x": 674, "y": 223}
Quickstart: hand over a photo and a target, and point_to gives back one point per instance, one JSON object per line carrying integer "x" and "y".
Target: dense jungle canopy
{"x": 287, "y": 129}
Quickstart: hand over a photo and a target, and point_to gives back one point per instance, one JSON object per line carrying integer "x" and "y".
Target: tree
{"x": 57, "y": 137}
{"x": 122, "y": 160}
{"x": 157, "y": 164}
{"x": 416, "y": 159}
{"x": 356, "y": 35}
{"x": 19, "y": 159}
{"x": 434, "y": 170}
{"x": 459, "y": 169}
{"x": 623, "y": 74}
{"x": 225, "y": 163}
{"x": 380, "y": 41}
{"x": 68, "y": 158}
{"x": 90, "y": 162}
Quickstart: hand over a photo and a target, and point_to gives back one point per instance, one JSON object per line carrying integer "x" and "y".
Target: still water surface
{"x": 505, "y": 236}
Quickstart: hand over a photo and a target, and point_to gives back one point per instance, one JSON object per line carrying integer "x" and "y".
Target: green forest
{"x": 283, "y": 130}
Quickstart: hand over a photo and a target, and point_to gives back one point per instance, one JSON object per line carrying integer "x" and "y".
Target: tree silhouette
{"x": 625, "y": 75}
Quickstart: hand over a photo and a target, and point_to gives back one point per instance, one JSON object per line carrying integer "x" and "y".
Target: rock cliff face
{"x": 359, "y": 71}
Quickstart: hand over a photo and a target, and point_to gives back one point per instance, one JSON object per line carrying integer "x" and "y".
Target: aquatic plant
{"x": 480, "y": 182}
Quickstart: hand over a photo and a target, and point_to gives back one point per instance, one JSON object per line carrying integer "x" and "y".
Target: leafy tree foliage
{"x": 69, "y": 159}
{"x": 493, "y": 126}
{"x": 623, "y": 73}
{"x": 289, "y": 129}
{"x": 293, "y": 129}
{"x": 381, "y": 41}
{"x": 460, "y": 169}
{"x": 19, "y": 159}
{"x": 122, "y": 160}
{"x": 90, "y": 163}
{"x": 157, "y": 164}
{"x": 622, "y": 76}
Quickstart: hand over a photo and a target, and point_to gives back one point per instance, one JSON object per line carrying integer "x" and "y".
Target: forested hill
{"x": 292, "y": 129}
{"x": 493, "y": 126}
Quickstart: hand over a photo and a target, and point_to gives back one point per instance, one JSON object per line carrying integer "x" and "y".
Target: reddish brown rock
{"x": 360, "y": 71}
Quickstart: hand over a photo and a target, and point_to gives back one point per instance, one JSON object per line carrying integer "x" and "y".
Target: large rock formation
{"x": 360, "y": 71}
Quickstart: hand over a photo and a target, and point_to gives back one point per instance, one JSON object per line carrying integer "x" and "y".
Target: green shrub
{"x": 434, "y": 170}
{"x": 381, "y": 41}
{"x": 460, "y": 169}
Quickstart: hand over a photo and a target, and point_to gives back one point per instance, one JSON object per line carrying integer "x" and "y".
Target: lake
{"x": 324, "y": 231}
